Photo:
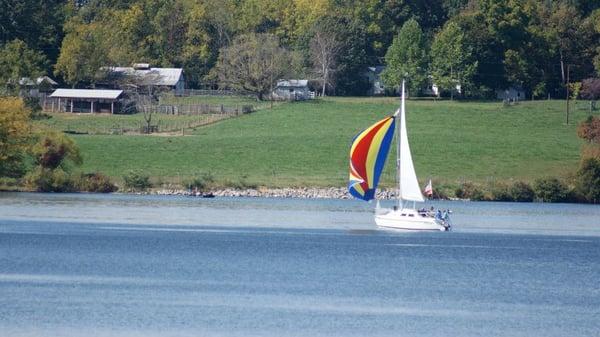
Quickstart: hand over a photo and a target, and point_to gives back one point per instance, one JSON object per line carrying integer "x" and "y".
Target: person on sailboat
{"x": 438, "y": 215}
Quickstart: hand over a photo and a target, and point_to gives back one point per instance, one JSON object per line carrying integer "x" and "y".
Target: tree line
{"x": 480, "y": 45}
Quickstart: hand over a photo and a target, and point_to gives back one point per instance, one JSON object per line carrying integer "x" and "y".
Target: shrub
{"x": 522, "y": 192}
{"x": 468, "y": 190}
{"x": 203, "y": 182}
{"x": 8, "y": 184}
{"x": 550, "y": 190}
{"x": 55, "y": 150}
{"x": 588, "y": 179}
{"x": 137, "y": 181}
{"x": 47, "y": 180}
{"x": 240, "y": 184}
{"x": 96, "y": 182}
{"x": 501, "y": 192}
{"x": 440, "y": 194}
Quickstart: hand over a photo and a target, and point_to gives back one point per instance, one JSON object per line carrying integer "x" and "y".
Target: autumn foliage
{"x": 14, "y": 135}
{"x": 589, "y": 130}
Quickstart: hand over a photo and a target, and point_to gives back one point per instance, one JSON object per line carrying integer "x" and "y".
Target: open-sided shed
{"x": 85, "y": 100}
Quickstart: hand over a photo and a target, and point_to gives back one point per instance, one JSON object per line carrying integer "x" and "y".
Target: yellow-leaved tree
{"x": 15, "y": 136}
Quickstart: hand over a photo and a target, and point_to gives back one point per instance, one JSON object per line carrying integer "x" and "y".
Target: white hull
{"x": 408, "y": 219}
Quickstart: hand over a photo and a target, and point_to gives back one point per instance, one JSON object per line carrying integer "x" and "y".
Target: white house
{"x": 432, "y": 88}
{"x": 374, "y": 77}
{"x": 514, "y": 93}
{"x": 292, "y": 90}
{"x": 166, "y": 78}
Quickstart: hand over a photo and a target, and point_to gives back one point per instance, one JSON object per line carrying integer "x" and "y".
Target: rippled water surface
{"x": 119, "y": 265}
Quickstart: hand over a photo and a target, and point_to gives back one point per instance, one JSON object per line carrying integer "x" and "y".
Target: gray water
{"x": 119, "y": 265}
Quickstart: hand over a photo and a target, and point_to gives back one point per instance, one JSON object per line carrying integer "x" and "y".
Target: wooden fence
{"x": 197, "y": 109}
{"x": 209, "y": 92}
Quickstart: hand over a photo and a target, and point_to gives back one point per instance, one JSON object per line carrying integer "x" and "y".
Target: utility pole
{"x": 452, "y": 85}
{"x": 567, "y": 87}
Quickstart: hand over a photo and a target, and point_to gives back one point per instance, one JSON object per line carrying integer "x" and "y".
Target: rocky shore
{"x": 301, "y": 192}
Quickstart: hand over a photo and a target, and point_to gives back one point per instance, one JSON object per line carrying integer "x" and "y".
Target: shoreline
{"x": 287, "y": 192}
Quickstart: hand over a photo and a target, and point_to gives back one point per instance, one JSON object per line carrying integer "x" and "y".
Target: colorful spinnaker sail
{"x": 367, "y": 158}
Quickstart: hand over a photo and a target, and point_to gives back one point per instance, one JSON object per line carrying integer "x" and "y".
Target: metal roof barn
{"x": 84, "y": 100}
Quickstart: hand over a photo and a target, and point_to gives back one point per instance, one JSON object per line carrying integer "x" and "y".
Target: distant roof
{"x": 38, "y": 81}
{"x": 86, "y": 93}
{"x": 155, "y": 76}
{"x": 377, "y": 69}
{"x": 292, "y": 83}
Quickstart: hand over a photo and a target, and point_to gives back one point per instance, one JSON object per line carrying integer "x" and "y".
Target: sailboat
{"x": 368, "y": 154}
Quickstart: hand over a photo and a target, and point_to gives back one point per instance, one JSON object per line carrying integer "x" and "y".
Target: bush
{"x": 501, "y": 192}
{"x": 240, "y": 184}
{"x": 202, "y": 183}
{"x": 8, "y": 184}
{"x": 588, "y": 179}
{"x": 551, "y": 190}
{"x": 96, "y": 182}
{"x": 440, "y": 194}
{"x": 47, "y": 180}
{"x": 137, "y": 181}
{"x": 469, "y": 191}
{"x": 521, "y": 192}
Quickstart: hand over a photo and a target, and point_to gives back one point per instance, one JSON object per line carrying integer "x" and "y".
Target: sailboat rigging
{"x": 368, "y": 153}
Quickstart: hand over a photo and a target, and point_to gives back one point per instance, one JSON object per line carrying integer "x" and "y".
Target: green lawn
{"x": 307, "y": 143}
{"x": 103, "y": 124}
{"x": 228, "y": 101}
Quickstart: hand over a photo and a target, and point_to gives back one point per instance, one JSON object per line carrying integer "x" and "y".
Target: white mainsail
{"x": 408, "y": 184}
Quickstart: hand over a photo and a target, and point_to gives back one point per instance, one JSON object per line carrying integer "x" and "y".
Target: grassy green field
{"x": 103, "y": 124}
{"x": 307, "y": 143}
{"x": 229, "y": 101}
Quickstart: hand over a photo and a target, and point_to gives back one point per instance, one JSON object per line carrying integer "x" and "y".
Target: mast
{"x": 398, "y": 146}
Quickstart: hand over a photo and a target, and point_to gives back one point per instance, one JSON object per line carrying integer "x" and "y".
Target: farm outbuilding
{"x": 84, "y": 100}
{"x": 292, "y": 90}
{"x": 168, "y": 79}
{"x": 514, "y": 93}
{"x": 36, "y": 87}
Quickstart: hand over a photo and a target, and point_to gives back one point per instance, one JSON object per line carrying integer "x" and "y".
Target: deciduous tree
{"x": 14, "y": 136}
{"x": 324, "y": 49}
{"x": 252, "y": 63}
{"x": 83, "y": 53}
{"x": 17, "y": 61}
{"x": 407, "y": 58}
{"x": 590, "y": 89}
{"x": 452, "y": 61}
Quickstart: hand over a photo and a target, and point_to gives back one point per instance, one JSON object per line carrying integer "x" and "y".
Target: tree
{"x": 17, "y": 61}
{"x": 486, "y": 51}
{"x": 55, "y": 154}
{"x": 451, "y": 59}
{"x": 324, "y": 49}
{"x": 82, "y": 53}
{"x": 14, "y": 136}
{"x": 589, "y": 130}
{"x": 588, "y": 177}
{"x": 252, "y": 63}
{"x": 54, "y": 150}
{"x": 564, "y": 30}
{"x": 38, "y": 23}
{"x": 351, "y": 61}
{"x": 406, "y": 58}
{"x": 590, "y": 89}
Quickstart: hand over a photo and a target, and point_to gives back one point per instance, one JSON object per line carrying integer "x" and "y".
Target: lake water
{"x": 120, "y": 265}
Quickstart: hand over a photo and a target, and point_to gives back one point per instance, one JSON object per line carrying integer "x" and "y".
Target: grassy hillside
{"x": 306, "y": 143}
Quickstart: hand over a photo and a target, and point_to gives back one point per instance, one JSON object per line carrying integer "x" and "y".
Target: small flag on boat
{"x": 428, "y": 189}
